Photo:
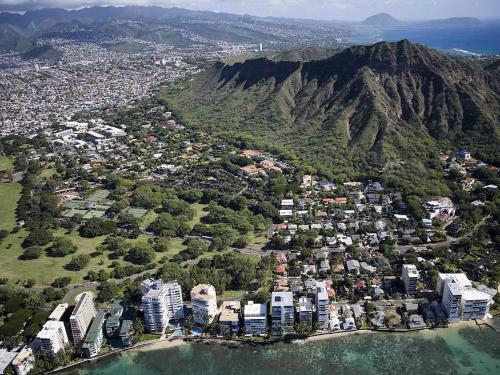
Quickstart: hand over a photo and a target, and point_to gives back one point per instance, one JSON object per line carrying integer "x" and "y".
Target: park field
{"x": 45, "y": 269}
{"x": 9, "y": 196}
{"x": 6, "y": 164}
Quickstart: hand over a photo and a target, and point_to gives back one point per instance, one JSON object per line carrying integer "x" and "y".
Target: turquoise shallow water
{"x": 467, "y": 350}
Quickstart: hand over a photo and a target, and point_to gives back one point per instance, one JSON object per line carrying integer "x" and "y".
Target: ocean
{"x": 482, "y": 39}
{"x": 465, "y": 350}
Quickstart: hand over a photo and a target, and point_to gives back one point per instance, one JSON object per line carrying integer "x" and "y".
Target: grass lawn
{"x": 199, "y": 213}
{"x": 45, "y": 269}
{"x": 9, "y": 196}
{"x": 257, "y": 241}
{"x": 148, "y": 219}
{"x": 70, "y": 297}
{"x": 6, "y": 164}
{"x": 230, "y": 294}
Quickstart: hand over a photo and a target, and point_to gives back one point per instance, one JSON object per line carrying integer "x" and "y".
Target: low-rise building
{"x": 6, "y": 358}
{"x": 349, "y": 324}
{"x": 305, "y": 310}
{"x": 229, "y": 318}
{"x": 255, "y": 318}
{"x": 25, "y": 360}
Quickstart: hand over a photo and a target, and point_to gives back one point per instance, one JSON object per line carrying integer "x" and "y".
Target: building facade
{"x": 410, "y": 278}
{"x": 53, "y": 338}
{"x": 322, "y": 305}
{"x": 229, "y": 318}
{"x": 82, "y": 317}
{"x": 282, "y": 312}
{"x": 305, "y": 310}
{"x": 204, "y": 303}
{"x": 154, "y": 306}
{"x": 161, "y": 302}
{"x": 255, "y": 318}
{"x": 460, "y": 300}
{"x": 92, "y": 343}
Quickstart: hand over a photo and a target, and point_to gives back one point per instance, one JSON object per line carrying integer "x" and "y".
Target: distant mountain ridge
{"x": 381, "y": 19}
{"x": 375, "y": 107}
{"x": 153, "y": 23}
{"x": 384, "y": 19}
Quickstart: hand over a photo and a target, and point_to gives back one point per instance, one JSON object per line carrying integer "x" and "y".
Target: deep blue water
{"x": 480, "y": 39}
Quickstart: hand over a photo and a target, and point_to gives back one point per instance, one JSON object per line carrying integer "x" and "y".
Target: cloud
{"x": 321, "y": 9}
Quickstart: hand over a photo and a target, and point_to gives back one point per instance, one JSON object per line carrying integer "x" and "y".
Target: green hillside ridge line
{"x": 385, "y": 107}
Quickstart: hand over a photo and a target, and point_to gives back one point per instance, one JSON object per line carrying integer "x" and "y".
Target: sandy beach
{"x": 161, "y": 344}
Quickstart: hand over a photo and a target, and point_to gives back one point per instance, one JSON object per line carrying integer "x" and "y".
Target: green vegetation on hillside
{"x": 383, "y": 111}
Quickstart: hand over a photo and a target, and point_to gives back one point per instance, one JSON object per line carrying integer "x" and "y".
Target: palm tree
{"x": 188, "y": 325}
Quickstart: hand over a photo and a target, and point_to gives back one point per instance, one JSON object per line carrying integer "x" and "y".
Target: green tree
{"x": 37, "y": 237}
{"x": 32, "y": 252}
{"x": 78, "y": 262}
{"x": 61, "y": 247}
{"x": 141, "y": 253}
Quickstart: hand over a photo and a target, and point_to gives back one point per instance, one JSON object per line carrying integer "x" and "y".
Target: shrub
{"x": 61, "y": 282}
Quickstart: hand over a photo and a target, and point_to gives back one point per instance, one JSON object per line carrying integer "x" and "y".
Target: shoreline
{"x": 165, "y": 343}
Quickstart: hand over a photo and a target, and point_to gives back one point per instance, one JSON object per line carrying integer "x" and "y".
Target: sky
{"x": 316, "y": 9}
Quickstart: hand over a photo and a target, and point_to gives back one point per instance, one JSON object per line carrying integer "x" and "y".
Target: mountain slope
{"x": 381, "y": 19}
{"x": 381, "y": 107}
{"x": 180, "y": 27}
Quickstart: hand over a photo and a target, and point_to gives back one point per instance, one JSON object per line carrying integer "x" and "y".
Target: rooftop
{"x": 58, "y": 312}
{"x": 203, "y": 291}
{"x": 82, "y": 298}
{"x": 411, "y": 269}
{"x": 255, "y": 310}
{"x": 229, "y": 311}
{"x": 282, "y": 299}
{"x": 95, "y": 328}
{"x": 49, "y": 329}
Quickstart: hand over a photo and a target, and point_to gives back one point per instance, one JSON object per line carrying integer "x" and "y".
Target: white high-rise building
{"x": 154, "y": 306}
{"x": 52, "y": 337}
{"x": 452, "y": 299}
{"x": 460, "y": 300}
{"x": 174, "y": 300}
{"x": 410, "y": 278}
{"x": 322, "y": 304}
{"x": 255, "y": 317}
{"x": 204, "y": 303}
{"x": 161, "y": 302}
{"x": 305, "y": 310}
{"x": 82, "y": 317}
{"x": 282, "y": 312}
